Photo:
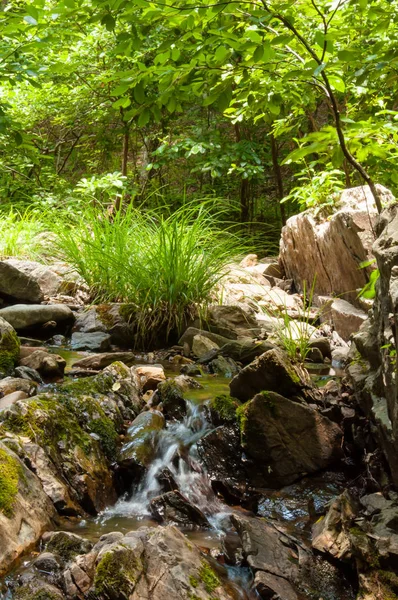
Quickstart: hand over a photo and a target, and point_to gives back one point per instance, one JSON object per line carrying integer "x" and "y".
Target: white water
{"x": 176, "y": 451}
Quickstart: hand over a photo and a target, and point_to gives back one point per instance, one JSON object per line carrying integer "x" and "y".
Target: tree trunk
{"x": 278, "y": 178}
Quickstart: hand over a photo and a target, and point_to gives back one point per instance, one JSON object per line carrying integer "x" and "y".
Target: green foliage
{"x": 369, "y": 290}
{"x": 22, "y": 234}
{"x": 294, "y": 335}
{"x": 163, "y": 266}
{"x": 317, "y": 190}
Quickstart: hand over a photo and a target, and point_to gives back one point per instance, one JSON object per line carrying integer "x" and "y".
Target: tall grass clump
{"x": 163, "y": 267}
{"x": 22, "y": 234}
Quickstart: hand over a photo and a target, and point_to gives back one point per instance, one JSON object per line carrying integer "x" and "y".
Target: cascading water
{"x": 176, "y": 452}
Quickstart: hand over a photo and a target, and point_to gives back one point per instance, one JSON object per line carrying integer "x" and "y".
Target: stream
{"x": 177, "y": 455}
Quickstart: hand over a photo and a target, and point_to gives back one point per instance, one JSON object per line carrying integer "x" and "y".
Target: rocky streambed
{"x": 140, "y": 482}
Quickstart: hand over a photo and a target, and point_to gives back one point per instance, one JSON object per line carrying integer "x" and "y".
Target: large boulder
{"x": 287, "y": 439}
{"x": 373, "y": 370}
{"x": 23, "y": 316}
{"x": 232, "y": 321}
{"x": 172, "y": 507}
{"x": 333, "y": 247}
{"x": 346, "y": 318}
{"x": 272, "y": 371}
{"x": 97, "y": 362}
{"x": 16, "y": 285}
{"x": 142, "y": 435}
{"x": 25, "y": 510}
{"x": 49, "y": 282}
{"x": 50, "y": 366}
{"x": 9, "y": 348}
{"x": 283, "y": 568}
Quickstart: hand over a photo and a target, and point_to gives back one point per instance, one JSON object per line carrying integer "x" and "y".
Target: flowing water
{"x": 176, "y": 453}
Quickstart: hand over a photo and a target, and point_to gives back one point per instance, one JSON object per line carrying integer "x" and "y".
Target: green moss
{"x": 10, "y": 473}
{"x": 117, "y": 572}
{"x": 65, "y": 545}
{"x": 105, "y": 429}
{"x": 208, "y": 577}
{"x": 193, "y": 582}
{"x": 26, "y": 593}
{"x": 9, "y": 351}
{"x": 225, "y": 407}
{"x": 242, "y": 419}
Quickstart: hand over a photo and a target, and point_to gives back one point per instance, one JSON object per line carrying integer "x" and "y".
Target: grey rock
{"x": 346, "y": 318}
{"x": 173, "y": 508}
{"x": 98, "y": 362}
{"x": 50, "y": 366}
{"x": 23, "y": 316}
{"x": 96, "y": 341}
{"x": 17, "y": 285}
{"x": 28, "y": 373}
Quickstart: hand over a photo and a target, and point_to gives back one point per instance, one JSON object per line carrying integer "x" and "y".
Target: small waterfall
{"x": 176, "y": 452}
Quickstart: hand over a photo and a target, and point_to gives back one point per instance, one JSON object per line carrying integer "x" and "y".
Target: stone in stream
{"x": 96, "y": 341}
{"x": 347, "y": 319}
{"x": 232, "y": 321}
{"x": 272, "y": 371}
{"x": 50, "y": 366}
{"x": 286, "y": 439}
{"x": 97, "y": 362}
{"x": 25, "y": 510}
{"x": 16, "y": 384}
{"x": 140, "y": 449}
{"x": 9, "y": 348}
{"x": 170, "y": 395}
{"x": 283, "y": 567}
{"x": 172, "y": 507}
{"x": 24, "y": 316}
{"x": 201, "y": 345}
{"x": 148, "y": 377}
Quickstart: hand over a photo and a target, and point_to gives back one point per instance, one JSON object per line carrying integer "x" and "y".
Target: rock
{"x": 148, "y": 377}
{"x": 15, "y": 384}
{"x": 65, "y": 544}
{"x": 49, "y": 282}
{"x": 286, "y": 439}
{"x": 271, "y": 371}
{"x": 47, "y": 561}
{"x": 189, "y": 334}
{"x": 330, "y": 534}
{"x": 249, "y": 261}
{"x": 338, "y": 245}
{"x": 224, "y": 366}
{"x": 314, "y": 355}
{"x": 25, "y": 510}
{"x": 202, "y": 345}
{"x": 50, "y": 366}
{"x": 9, "y": 348}
{"x": 346, "y": 318}
{"x": 187, "y": 383}
{"x": 277, "y": 300}
{"x": 173, "y": 508}
{"x": 33, "y": 586}
{"x": 226, "y": 319}
{"x": 95, "y": 342}
{"x": 158, "y": 564}
{"x": 221, "y": 454}
{"x": 140, "y": 449}
{"x": 9, "y": 399}
{"x": 97, "y": 362}
{"x": 273, "y": 269}
{"x": 223, "y": 409}
{"x": 172, "y": 399}
{"x": 70, "y": 435}
{"x": 23, "y": 316}
{"x": 243, "y": 351}
{"x": 191, "y": 370}
{"x": 373, "y": 374}
{"x": 340, "y": 356}
{"x": 16, "y": 285}
{"x": 284, "y": 568}
{"x": 323, "y": 345}
{"x": 28, "y": 374}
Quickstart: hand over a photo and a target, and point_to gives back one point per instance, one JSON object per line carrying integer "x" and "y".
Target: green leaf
{"x": 175, "y": 54}
{"x": 109, "y": 21}
{"x": 144, "y": 117}
{"x": 258, "y": 54}
{"x": 337, "y": 83}
{"x": 348, "y": 55}
{"x": 122, "y": 103}
{"x": 221, "y": 54}
{"x": 119, "y": 90}
{"x": 139, "y": 93}
{"x": 18, "y": 138}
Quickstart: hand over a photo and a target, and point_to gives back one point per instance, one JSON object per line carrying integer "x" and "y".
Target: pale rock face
{"x": 330, "y": 251}
{"x": 30, "y": 513}
{"x": 202, "y": 345}
{"x": 147, "y": 377}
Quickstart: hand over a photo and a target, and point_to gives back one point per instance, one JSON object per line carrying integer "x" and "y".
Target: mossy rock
{"x": 10, "y": 474}
{"x": 223, "y": 409}
{"x": 67, "y": 545}
{"x": 9, "y": 348}
{"x": 142, "y": 435}
{"x": 117, "y": 573}
{"x": 172, "y": 399}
